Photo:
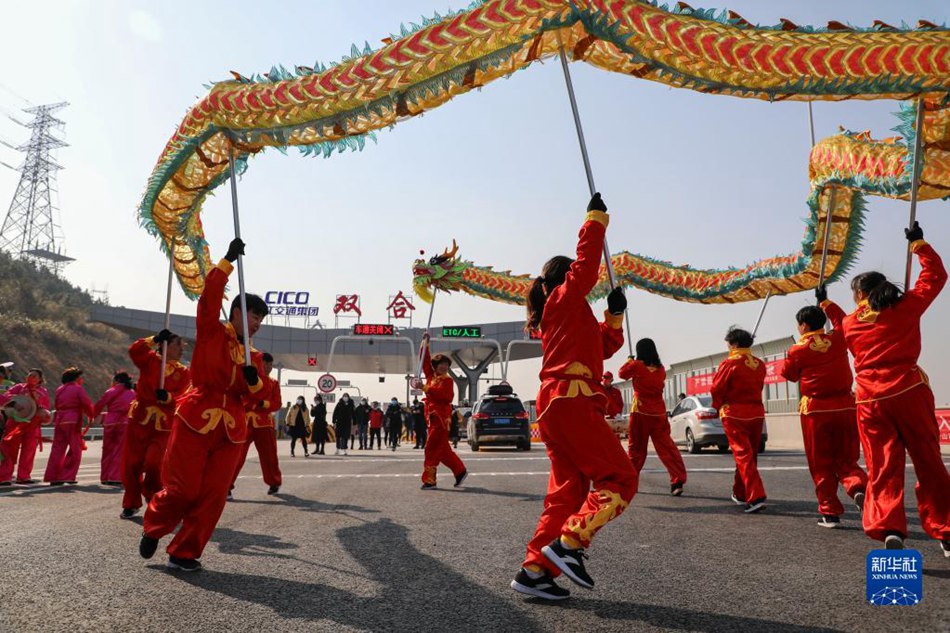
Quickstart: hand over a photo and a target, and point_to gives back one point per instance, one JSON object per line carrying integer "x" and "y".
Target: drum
{"x": 20, "y": 408}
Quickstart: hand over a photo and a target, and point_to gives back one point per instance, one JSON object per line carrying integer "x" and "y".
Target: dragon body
{"x": 322, "y": 110}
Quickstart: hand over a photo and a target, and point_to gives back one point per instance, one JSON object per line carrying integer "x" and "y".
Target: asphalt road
{"x": 352, "y": 544}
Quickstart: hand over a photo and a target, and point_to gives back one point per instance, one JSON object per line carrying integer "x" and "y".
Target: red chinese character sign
{"x": 346, "y": 305}
{"x": 400, "y": 307}
{"x": 696, "y": 385}
{"x": 943, "y": 422}
{"x": 374, "y": 329}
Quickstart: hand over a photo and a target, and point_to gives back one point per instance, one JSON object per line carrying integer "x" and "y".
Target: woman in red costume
{"x": 895, "y": 404}
{"x": 737, "y": 395}
{"x": 72, "y": 404}
{"x": 592, "y": 481}
{"x": 648, "y": 418}
{"x": 440, "y": 391}
{"x": 150, "y": 416}
{"x": 20, "y": 439}
{"x": 260, "y": 429}
{"x": 115, "y": 402}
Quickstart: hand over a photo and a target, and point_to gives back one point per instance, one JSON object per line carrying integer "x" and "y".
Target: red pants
{"x": 439, "y": 451}
{"x": 142, "y": 463}
{"x": 583, "y": 450}
{"x": 19, "y": 449}
{"x": 197, "y": 473}
{"x": 66, "y": 453}
{"x": 113, "y": 444}
{"x": 888, "y": 428}
{"x": 744, "y": 437}
{"x": 266, "y": 443}
{"x": 656, "y": 428}
{"x": 833, "y": 450}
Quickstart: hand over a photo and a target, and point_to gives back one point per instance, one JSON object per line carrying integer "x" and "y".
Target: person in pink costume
{"x": 115, "y": 402}
{"x": 72, "y": 403}
{"x": 21, "y": 439}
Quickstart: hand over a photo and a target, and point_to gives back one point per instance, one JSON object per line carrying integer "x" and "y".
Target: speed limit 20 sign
{"x": 326, "y": 383}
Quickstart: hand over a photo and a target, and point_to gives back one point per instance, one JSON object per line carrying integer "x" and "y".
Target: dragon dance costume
{"x": 20, "y": 439}
{"x": 208, "y": 432}
{"x": 737, "y": 395}
{"x": 648, "y": 420}
{"x": 72, "y": 403}
{"x": 115, "y": 403}
{"x": 896, "y": 406}
{"x": 571, "y": 404}
{"x": 261, "y": 432}
{"x": 440, "y": 391}
{"x": 819, "y": 363}
{"x": 150, "y": 422}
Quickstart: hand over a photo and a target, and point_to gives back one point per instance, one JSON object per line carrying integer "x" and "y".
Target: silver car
{"x": 695, "y": 424}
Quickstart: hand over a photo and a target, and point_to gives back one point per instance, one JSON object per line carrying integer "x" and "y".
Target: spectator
{"x": 115, "y": 402}
{"x": 375, "y": 426}
{"x": 343, "y": 423}
{"x": 72, "y": 403}
{"x": 394, "y": 423}
{"x": 318, "y": 416}
{"x": 454, "y": 425}
{"x": 361, "y": 419}
{"x": 282, "y": 419}
{"x": 298, "y": 425}
{"x": 419, "y": 422}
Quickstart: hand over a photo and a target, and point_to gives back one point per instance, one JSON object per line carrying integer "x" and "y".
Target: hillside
{"x": 44, "y": 323}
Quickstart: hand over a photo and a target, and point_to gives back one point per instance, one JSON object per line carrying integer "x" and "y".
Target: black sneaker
{"x": 147, "y": 547}
{"x": 570, "y": 562}
{"x": 428, "y": 487}
{"x": 6, "y": 483}
{"x": 461, "y": 478}
{"x": 128, "y": 513}
{"x": 676, "y": 489}
{"x": 859, "y": 501}
{"x": 893, "y": 541}
{"x": 755, "y": 506}
{"x": 57, "y": 483}
{"x": 829, "y": 521}
{"x": 183, "y": 564}
{"x": 542, "y": 587}
{"x": 230, "y": 496}
{"x": 273, "y": 490}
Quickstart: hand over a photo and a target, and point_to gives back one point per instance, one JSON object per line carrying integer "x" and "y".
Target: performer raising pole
{"x": 590, "y": 178}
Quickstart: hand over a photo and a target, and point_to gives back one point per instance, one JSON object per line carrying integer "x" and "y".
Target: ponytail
{"x": 552, "y": 276}
{"x": 880, "y": 292}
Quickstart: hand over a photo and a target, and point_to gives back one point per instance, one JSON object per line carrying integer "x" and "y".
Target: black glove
{"x": 597, "y": 204}
{"x": 616, "y": 301}
{"x": 821, "y": 294}
{"x": 250, "y": 375}
{"x": 161, "y": 395}
{"x": 914, "y": 233}
{"x": 235, "y": 248}
{"x": 260, "y": 404}
{"x": 162, "y": 337}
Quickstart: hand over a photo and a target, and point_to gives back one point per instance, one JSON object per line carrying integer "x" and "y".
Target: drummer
{"x": 22, "y": 436}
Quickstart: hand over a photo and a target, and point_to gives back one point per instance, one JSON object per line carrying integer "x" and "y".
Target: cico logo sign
{"x": 287, "y": 298}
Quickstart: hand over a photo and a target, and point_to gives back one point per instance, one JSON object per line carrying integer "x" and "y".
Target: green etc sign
{"x": 461, "y": 332}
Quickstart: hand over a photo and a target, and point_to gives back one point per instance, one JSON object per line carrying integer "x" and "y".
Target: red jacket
{"x": 819, "y": 363}
{"x": 375, "y": 418}
{"x": 262, "y": 406}
{"x": 218, "y": 386}
{"x": 614, "y": 401}
{"x": 648, "y": 383}
{"x": 72, "y": 403}
{"x": 574, "y": 344}
{"x": 146, "y": 409}
{"x": 886, "y": 344}
{"x": 737, "y": 387}
{"x": 439, "y": 390}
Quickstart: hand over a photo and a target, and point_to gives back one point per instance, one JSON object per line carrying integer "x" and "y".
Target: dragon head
{"x": 441, "y": 272}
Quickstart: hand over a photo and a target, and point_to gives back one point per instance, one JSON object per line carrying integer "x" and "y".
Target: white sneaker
{"x": 337, "y": 452}
{"x": 345, "y": 452}
{"x": 945, "y": 546}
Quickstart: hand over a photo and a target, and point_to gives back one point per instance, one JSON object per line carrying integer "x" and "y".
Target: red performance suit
{"x": 72, "y": 403}
{"x": 20, "y": 439}
{"x": 440, "y": 391}
{"x": 819, "y": 363}
{"x": 648, "y": 420}
{"x": 614, "y": 400}
{"x": 737, "y": 395}
{"x": 571, "y": 405}
{"x": 209, "y": 428}
{"x": 896, "y": 406}
{"x": 260, "y": 426}
{"x": 150, "y": 422}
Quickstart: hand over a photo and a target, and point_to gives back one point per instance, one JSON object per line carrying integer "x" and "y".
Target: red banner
{"x": 773, "y": 371}
{"x": 943, "y": 421}
{"x": 702, "y": 383}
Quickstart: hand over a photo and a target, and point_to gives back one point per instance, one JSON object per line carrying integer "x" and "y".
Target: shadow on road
{"x": 307, "y": 505}
{"x": 521, "y": 496}
{"x": 412, "y": 597}
{"x": 44, "y": 489}
{"x": 676, "y": 619}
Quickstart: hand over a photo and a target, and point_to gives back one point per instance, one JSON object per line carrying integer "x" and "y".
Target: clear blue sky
{"x": 710, "y": 181}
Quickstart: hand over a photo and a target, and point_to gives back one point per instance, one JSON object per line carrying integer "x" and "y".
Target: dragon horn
{"x": 455, "y": 249}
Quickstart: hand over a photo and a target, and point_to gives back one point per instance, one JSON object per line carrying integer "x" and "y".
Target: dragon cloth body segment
{"x": 321, "y": 110}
